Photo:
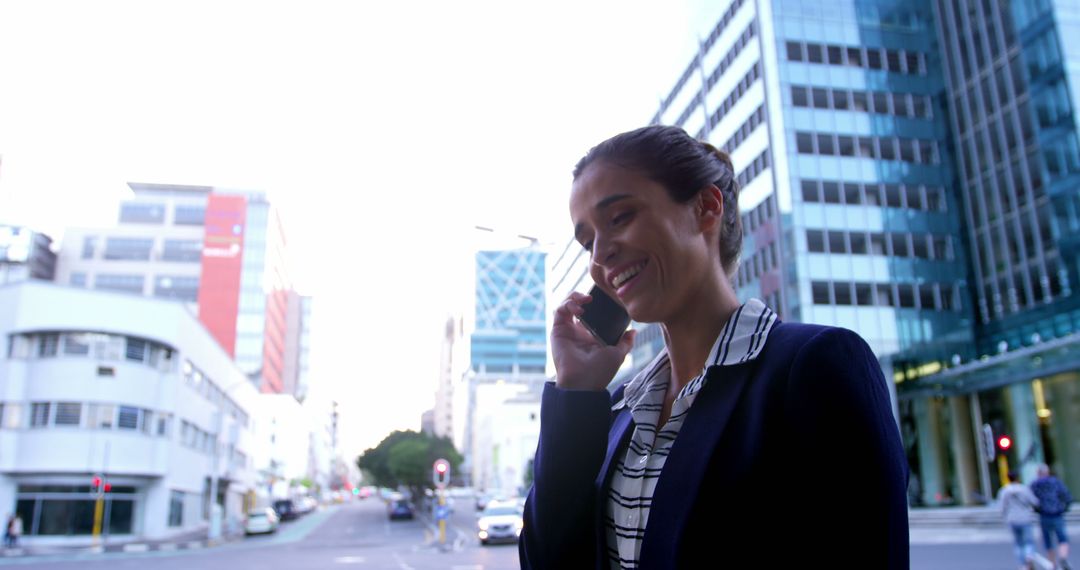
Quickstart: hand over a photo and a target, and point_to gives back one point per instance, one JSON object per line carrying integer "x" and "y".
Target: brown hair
{"x": 683, "y": 165}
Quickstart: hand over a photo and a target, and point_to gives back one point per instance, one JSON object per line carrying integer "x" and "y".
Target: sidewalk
{"x": 971, "y": 525}
{"x": 188, "y": 541}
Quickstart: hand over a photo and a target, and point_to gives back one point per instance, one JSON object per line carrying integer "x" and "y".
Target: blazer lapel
{"x": 684, "y": 469}
{"x": 620, "y": 428}
{"x": 620, "y": 431}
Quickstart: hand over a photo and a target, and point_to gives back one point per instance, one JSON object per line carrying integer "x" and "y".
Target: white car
{"x": 499, "y": 522}
{"x": 261, "y": 521}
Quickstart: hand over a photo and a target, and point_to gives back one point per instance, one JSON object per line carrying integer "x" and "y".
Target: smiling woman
{"x": 696, "y": 456}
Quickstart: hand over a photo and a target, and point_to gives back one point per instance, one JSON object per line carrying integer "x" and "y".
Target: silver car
{"x": 499, "y": 522}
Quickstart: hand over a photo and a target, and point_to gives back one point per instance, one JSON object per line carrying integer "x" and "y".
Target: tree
{"x": 405, "y": 458}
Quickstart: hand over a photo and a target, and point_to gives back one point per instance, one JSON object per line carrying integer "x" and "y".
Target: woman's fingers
{"x": 570, "y": 307}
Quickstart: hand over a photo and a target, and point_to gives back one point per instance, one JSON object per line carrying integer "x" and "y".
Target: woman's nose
{"x": 603, "y": 250}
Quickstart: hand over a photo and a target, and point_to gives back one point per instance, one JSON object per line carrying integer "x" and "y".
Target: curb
{"x": 128, "y": 548}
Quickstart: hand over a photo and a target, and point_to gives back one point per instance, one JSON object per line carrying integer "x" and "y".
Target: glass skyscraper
{"x": 909, "y": 170}
{"x": 510, "y": 335}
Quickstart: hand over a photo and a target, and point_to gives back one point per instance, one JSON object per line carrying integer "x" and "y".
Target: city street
{"x": 360, "y": 536}
{"x": 357, "y": 535}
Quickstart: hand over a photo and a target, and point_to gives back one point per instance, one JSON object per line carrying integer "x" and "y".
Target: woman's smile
{"x": 624, "y": 278}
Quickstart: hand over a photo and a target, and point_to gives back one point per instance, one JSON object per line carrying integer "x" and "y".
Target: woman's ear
{"x": 709, "y": 208}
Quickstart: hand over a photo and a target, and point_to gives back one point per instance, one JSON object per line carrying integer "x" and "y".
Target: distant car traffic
{"x": 499, "y": 522}
{"x": 400, "y": 508}
{"x": 286, "y": 509}
{"x": 261, "y": 521}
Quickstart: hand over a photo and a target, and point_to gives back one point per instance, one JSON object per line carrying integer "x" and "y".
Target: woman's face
{"x": 648, "y": 251}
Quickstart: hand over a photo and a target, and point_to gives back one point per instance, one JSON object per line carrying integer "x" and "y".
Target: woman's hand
{"x": 581, "y": 361}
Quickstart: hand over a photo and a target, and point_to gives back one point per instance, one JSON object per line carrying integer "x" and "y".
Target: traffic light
{"x": 1004, "y": 442}
{"x": 441, "y": 473}
{"x": 95, "y": 484}
{"x": 356, "y": 490}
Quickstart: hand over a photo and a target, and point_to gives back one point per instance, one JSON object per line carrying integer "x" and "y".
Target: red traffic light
{"x": 441, "y": 467}
{"x": 95, "y": 482}
{"x": 108, "y": 487}
{"x": 1004, "y": 442}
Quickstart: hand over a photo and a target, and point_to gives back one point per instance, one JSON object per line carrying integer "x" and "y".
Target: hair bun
{"x": 723, "y": 156}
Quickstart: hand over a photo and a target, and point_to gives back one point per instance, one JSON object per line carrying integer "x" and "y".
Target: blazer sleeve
{"x": 559, "y": 520}
{"x": 849, "y": 464}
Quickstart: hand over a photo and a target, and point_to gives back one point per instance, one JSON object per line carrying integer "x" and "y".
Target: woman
{"x": 747, "y": 440}
{"x": 1018, "y": 506}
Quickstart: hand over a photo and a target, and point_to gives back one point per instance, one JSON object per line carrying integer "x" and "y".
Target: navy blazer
{"x": 792, "y": 460}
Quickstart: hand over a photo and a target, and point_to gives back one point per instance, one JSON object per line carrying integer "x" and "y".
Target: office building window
{"x": 182, "y": 250}
{"x": 39, "y": 414}
{"x": 176, "y": 508}
{"x": 189, "y": 215}
{"x": 89, "y": 247}
{"x": 119, "y": 282}
{"x": 142, "y": 213}
{"x": 128, "y": 418}
{"x": 886, "y": 147}
{"x": 11, "y": 416}
{"x": 119, "y": 248}
{"x": 179, "y": 287}
{"x": 905, "y": 295}
{"x": 895, "y": 61}
{"x": 135, "y": 349}
{"x": 68, "y": 413}
{"x": 48, "y": 344}
{"x": 77, "y": 279}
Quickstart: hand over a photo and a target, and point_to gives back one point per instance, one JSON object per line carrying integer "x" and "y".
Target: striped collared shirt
{"x": 634, "y": 480}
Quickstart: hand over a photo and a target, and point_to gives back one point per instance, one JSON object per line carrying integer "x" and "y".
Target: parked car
{"x": 286, "y": 509}
{"x": 261, "y": 521}
{"x": 499, "y": 522}
{"x": 305, "y": 505}
{"x": 400, "y": 508}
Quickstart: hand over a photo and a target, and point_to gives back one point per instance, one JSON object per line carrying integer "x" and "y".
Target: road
{"x": 359, "y": 536}
{"x": 356, "y": 535}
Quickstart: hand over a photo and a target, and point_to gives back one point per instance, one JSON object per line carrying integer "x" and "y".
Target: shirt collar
{"x": 741, "y": 340}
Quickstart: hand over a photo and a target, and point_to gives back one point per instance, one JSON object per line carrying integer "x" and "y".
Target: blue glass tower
{"x": 511, "y": 319}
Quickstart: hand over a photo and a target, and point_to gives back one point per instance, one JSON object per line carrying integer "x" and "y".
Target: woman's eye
{"x": 621, "y": 218}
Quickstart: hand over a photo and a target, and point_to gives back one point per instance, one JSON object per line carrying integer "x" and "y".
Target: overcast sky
{"x": 383, "y": 130}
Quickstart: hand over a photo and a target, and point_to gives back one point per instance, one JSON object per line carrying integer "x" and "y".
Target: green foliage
{"x": 405, "y": 458}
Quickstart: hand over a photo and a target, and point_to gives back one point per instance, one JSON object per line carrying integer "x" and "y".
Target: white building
{"x": 503, "y": 437}
{"x": 514, "y": 443}
{"x": 154, "y": 250}
{"x": 130, "y": 389}
{"x": 452, "y": 363}
{"x": 282, "y": 448}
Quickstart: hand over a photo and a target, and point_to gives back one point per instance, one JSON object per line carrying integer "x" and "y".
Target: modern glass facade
{"x": 510, "y": 335}
{"x": 834, "y": 117}
{"x": 264, "y": 285}
{"x": 1011, "y": 100}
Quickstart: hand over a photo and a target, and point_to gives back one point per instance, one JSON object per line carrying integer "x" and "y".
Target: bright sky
{"x": 383, "y": 130}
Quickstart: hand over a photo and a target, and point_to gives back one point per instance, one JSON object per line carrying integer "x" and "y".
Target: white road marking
{"x": 136, "y": 547}
{"x": 401, "y": 563}
{"x": 350, "y": 560}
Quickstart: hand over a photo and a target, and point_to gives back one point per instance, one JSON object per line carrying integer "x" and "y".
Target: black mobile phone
{"x": 605, "y": 318}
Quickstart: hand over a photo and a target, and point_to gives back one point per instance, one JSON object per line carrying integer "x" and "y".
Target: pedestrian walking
{"x": 7, "y": 530}
{"x": 712, "y": 455}
{"x": 1018, "y": 506}
{"x": 16, "y": 530}
{"x": 1054, "y": 502}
